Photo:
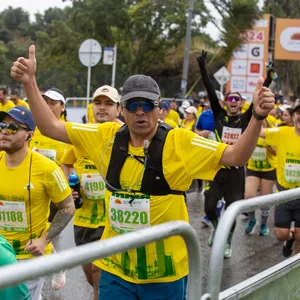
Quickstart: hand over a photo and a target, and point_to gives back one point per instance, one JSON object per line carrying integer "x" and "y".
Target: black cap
{"x": 21, "y": 115}
{"x": 140, "y": 86}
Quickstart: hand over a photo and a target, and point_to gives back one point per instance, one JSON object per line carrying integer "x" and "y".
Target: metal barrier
{"x": 265, "y": 285}
{"x": 224, "y": 226}
{"x": 45, "y": 265}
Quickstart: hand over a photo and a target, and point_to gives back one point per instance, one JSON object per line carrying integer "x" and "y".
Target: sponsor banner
{"x": 251, "y": 84}
{"x": 256, "y": 51}
{"x": 242, "y": 52}
{"x": 287, "y": 41}
{"x": 255, "y": 67}
{"x": 238, "y": 83}
{"x": 239, "y": 67}
{"x": 250, "y": 60}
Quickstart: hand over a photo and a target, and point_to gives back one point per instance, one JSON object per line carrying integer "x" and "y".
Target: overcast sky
{"x": 34, "y": 6}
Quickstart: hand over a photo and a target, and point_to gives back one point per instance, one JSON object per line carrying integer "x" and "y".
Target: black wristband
{"x": 257, "y": 116}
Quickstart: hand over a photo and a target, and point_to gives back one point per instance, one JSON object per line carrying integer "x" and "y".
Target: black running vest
{"x": 153, "y": 181}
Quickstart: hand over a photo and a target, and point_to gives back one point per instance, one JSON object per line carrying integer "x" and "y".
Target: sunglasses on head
{"x": 233, "y": 98}
{"x": 132, "y": 106}
{"x": 12, "y": 128}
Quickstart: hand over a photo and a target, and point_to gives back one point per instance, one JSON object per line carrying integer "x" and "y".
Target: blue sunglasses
{"x": 132, "y": 106}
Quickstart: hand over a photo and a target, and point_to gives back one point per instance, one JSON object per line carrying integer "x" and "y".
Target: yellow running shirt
{"x": 48, "y": 147}
{"x": 170, "y": 123}
{"x": 92, "y": 212}
{"x": 262, "y": 160}
{"x": 287, "y": 144}
{"x": 22, "y": 103}
{"x": 6, "y": 107}
{"x": 189, "y": 125}
{"x": 19, "y": 217}
{"x": 185, "y": 156}
{"x": 174, "y": 116}
{"x": 90, "y": 114}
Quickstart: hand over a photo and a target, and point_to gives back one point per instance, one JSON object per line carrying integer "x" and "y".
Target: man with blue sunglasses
{"x": 147, "y": 167}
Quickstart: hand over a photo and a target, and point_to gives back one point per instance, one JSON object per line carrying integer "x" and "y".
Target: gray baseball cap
{"x": 140, "y": 86}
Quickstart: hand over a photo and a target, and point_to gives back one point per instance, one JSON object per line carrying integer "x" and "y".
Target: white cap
{"x": 53, "y": 95}
{"x": 191, "y": 110}
{"x": 108, "y": 91}
{"x": 186, "y": 104}
{"x": 284, "y": 107}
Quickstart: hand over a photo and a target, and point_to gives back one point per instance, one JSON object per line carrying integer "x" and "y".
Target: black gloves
{"x": 201, "y": 61}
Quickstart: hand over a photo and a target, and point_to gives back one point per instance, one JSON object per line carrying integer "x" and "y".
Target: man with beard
{"x": 286, "y": 139}
{"x": 28, "y": 183}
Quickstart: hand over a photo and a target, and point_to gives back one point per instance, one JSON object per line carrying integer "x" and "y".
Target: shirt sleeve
{"x": 69, "y": 157}
{"x": 57, "y": 186}
{"x": 200, "y": 156}
{"x": 88, "y": 138}
{"x": 273, "y": 136}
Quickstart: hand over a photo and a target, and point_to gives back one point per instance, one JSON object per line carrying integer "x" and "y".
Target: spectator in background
{"x": 164, "y": 112}
{"x": 5, "y": 104}
{"x": 14, "y": 97}
{"x": 287, "y": 117}
{"x": 189, "y": 122}
{"x": 184, "y": 105}
{"x": 173, "y": 113}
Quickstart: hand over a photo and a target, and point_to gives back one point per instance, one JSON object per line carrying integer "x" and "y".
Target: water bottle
{"x": 74, "y": 184}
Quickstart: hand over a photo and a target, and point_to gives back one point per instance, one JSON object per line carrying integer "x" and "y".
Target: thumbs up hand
{"x": 23, "y": 70}
{"x": 263, "y": 100}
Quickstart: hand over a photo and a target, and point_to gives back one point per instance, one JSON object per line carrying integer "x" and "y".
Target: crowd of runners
{"x": 135, "y": 159}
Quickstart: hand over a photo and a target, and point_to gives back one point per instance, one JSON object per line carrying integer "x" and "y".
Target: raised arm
{"x": 263, "y": 103}
{"x": 212, "y": 96}
{"x": 23, "y": 71}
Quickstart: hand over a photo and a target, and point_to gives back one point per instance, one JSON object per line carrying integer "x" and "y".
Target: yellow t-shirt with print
{"x": 90, "y": 114}
{"x": 170, "y": 123}
{"x": 188, "y": 125}
{"x": 21, "y": 219}
{"x": 287, "y": 144}
{"x": 92, "y": 212}
{"x": 174, "y": 116}
{"x": 50, "y": 148}
{"x": 186, "y": 156}
{"x": 262, "y": 160}
{"x": 6, "y": 107}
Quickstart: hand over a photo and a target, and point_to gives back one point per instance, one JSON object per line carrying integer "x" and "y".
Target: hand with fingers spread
{"x": 202, "y": 61}
{"x": 263, "y": 100}
{"x": 23, "y": 70}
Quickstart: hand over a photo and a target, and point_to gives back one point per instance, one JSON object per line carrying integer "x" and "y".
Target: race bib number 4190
{"x": 128, "y": 215}
{"x": 13, "y": 216}
{"x": 93, "y": 186}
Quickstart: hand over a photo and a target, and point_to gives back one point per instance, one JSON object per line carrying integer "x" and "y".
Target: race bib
{"x": 292, "y": 173}
{"x": 13, "y": 216}
{"x": 46, "y": 152}
{"x": 128, "y": 215}
{"x": 93, "y": 186}
{"x": 259, "y": 154}
{"x": 231, "y": 135}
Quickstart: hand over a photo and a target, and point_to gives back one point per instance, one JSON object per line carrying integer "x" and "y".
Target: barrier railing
{"x": 267, "y": 283}
{"x": 45, "y": 265}
{"x": 224, "y": 226}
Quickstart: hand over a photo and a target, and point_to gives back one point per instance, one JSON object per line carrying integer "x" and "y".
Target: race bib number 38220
{"x": 129, "y": 214}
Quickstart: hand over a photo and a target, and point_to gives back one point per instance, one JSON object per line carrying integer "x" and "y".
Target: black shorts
{"x": 286, "y": 213}
{"x": 269, "y": 175}
{"x": 84, "y": 235}
{"x": 228, "y": 184}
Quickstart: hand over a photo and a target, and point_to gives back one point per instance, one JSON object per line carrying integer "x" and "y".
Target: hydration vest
{"x": 153, "y": 181}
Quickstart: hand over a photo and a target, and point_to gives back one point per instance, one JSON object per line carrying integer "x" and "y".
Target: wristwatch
{"x": 257, "y": 116}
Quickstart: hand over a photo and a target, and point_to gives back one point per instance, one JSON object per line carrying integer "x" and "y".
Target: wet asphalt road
{"x": 251, "y": 255}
